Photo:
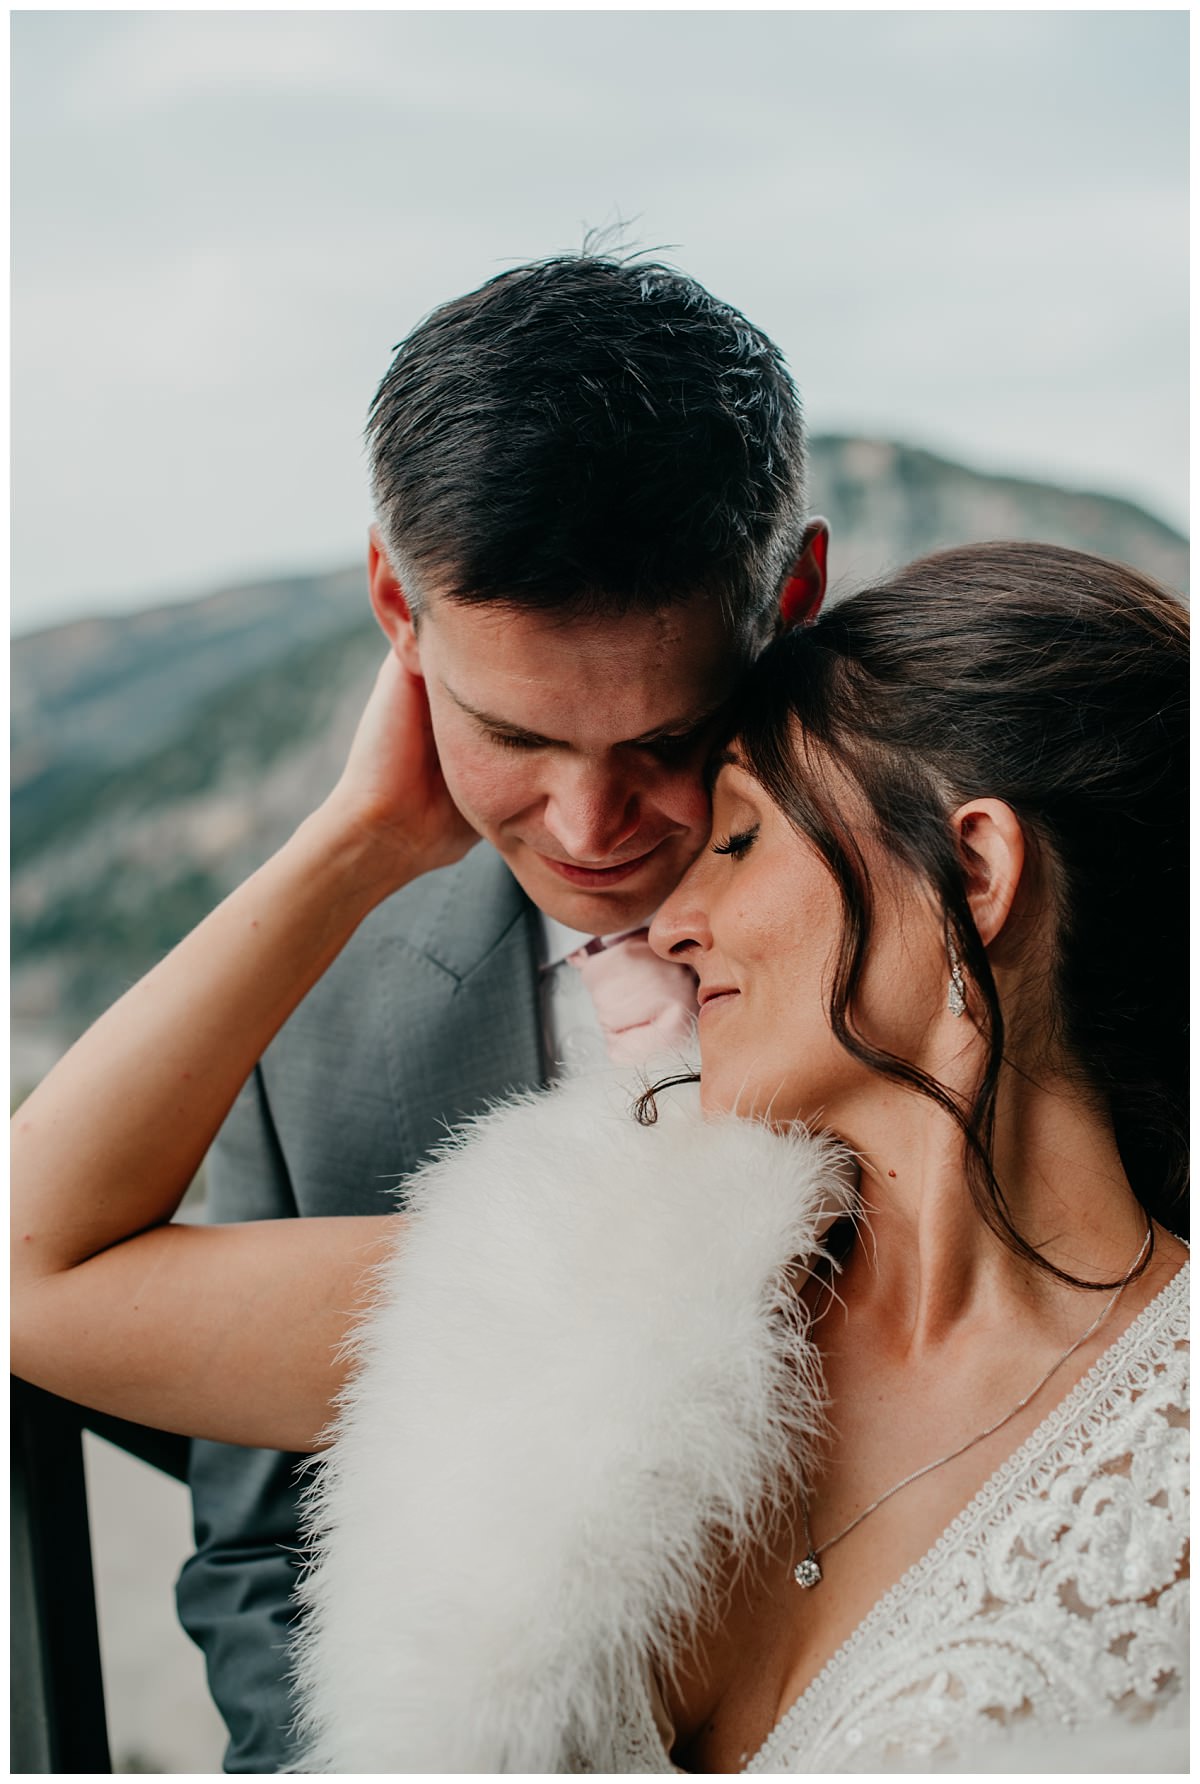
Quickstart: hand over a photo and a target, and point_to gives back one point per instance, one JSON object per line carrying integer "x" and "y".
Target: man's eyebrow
{"x": 492, "y": 722}
{"x": 683, "y": 727}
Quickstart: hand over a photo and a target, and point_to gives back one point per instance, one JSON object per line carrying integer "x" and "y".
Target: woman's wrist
{"x": 356, "y": 863}
{"x": 368, "y": 856}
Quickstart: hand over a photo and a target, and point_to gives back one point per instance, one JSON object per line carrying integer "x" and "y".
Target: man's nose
{"x": 591, "y": 812}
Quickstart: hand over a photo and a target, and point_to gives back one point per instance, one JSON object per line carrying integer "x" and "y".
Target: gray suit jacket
{"x": 430, "y": 1012}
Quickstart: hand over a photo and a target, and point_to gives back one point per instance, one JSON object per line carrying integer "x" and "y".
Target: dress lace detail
{"x": 1058, "y": 1596}
{"x": 1056, "y": 1600}
{"x": 636, "y": 1741}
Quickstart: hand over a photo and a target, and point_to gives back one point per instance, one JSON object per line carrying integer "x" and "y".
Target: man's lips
{"x": 594, "y": 877}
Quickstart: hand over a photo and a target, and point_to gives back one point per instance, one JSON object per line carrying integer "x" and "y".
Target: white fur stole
{"x": 584, "y": 1361}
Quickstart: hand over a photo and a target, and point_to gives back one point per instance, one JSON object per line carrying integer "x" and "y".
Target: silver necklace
{"x": 807, "y": 1572}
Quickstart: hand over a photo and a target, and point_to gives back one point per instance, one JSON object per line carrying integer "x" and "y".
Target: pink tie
{"x": 644, "y": 1004}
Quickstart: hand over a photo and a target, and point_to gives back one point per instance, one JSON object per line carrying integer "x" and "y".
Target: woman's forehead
{"x": 730, "y": 771}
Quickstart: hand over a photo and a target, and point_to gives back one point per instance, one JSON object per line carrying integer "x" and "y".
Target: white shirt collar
{"x": 557, "y": 941}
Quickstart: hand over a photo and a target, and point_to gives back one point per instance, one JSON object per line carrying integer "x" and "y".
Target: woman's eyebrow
{"x": 720, "y": 759}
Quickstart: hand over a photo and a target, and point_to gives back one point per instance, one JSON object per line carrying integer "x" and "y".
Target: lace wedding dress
{"x": 1058, "y": 1598}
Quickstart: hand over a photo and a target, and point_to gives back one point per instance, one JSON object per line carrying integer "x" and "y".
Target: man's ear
{"x": 991, "y": 847}
{"x": 390, "y": 605}
{"x": 804, "y": 590}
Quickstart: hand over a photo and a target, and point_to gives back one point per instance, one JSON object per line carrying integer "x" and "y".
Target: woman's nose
{"x": 680, "y": 928}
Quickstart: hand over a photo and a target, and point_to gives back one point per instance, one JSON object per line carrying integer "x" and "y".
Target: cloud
{"x": 966, "y": 227}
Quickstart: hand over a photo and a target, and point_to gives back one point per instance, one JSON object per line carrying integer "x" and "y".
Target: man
{"x": 588, "y": 484}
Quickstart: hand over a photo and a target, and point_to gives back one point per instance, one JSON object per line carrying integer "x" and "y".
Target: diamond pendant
{"x": 807, "y": 1573}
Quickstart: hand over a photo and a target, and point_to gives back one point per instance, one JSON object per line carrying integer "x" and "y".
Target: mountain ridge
{"x": 820, "y": 448}
{"x": 159, "y": 756}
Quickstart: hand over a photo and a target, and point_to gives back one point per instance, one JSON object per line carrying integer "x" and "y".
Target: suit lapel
{"x": 463, "y": 1024}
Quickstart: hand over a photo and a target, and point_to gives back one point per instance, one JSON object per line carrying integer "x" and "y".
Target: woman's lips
{"x": 596, "y": 877}
{"x": 711, "y": 999}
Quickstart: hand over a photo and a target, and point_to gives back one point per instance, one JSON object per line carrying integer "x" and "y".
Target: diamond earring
{"x": 956, "y": 996}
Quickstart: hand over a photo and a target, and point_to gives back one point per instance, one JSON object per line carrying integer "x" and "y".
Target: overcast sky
{"x": 966, "y": 230}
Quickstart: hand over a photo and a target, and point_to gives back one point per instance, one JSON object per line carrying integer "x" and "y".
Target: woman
{"x": 940, "y": 918}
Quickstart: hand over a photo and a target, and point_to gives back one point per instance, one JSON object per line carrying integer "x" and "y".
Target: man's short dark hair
{"x": 594, "y": 434}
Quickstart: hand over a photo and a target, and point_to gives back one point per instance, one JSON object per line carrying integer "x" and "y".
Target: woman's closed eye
{"x": 737, "y": 845}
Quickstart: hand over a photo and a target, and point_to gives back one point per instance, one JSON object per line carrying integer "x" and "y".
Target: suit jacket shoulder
{"x": 430, "y": 1013}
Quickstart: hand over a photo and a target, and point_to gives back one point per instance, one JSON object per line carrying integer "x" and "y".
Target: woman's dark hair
{"x": 1058, "y": 683}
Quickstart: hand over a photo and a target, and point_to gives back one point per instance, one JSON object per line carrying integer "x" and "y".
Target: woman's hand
{"x": 392, "y": 789}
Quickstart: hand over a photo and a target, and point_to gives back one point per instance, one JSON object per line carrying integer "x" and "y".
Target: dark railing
{"x": 57, "y": 1685}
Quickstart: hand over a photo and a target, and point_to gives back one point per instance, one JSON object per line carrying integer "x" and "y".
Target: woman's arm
{"x": 219, "y": 1332}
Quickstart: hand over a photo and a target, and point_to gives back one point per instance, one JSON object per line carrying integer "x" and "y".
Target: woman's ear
{"x": 991, "y": 847}
{"x": 391, "y": 605}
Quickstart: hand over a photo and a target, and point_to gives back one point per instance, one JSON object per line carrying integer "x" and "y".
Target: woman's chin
{"x": 748, "y": 1102}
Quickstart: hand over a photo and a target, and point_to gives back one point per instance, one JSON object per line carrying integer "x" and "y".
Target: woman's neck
{"x": 928, "y": 1256}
